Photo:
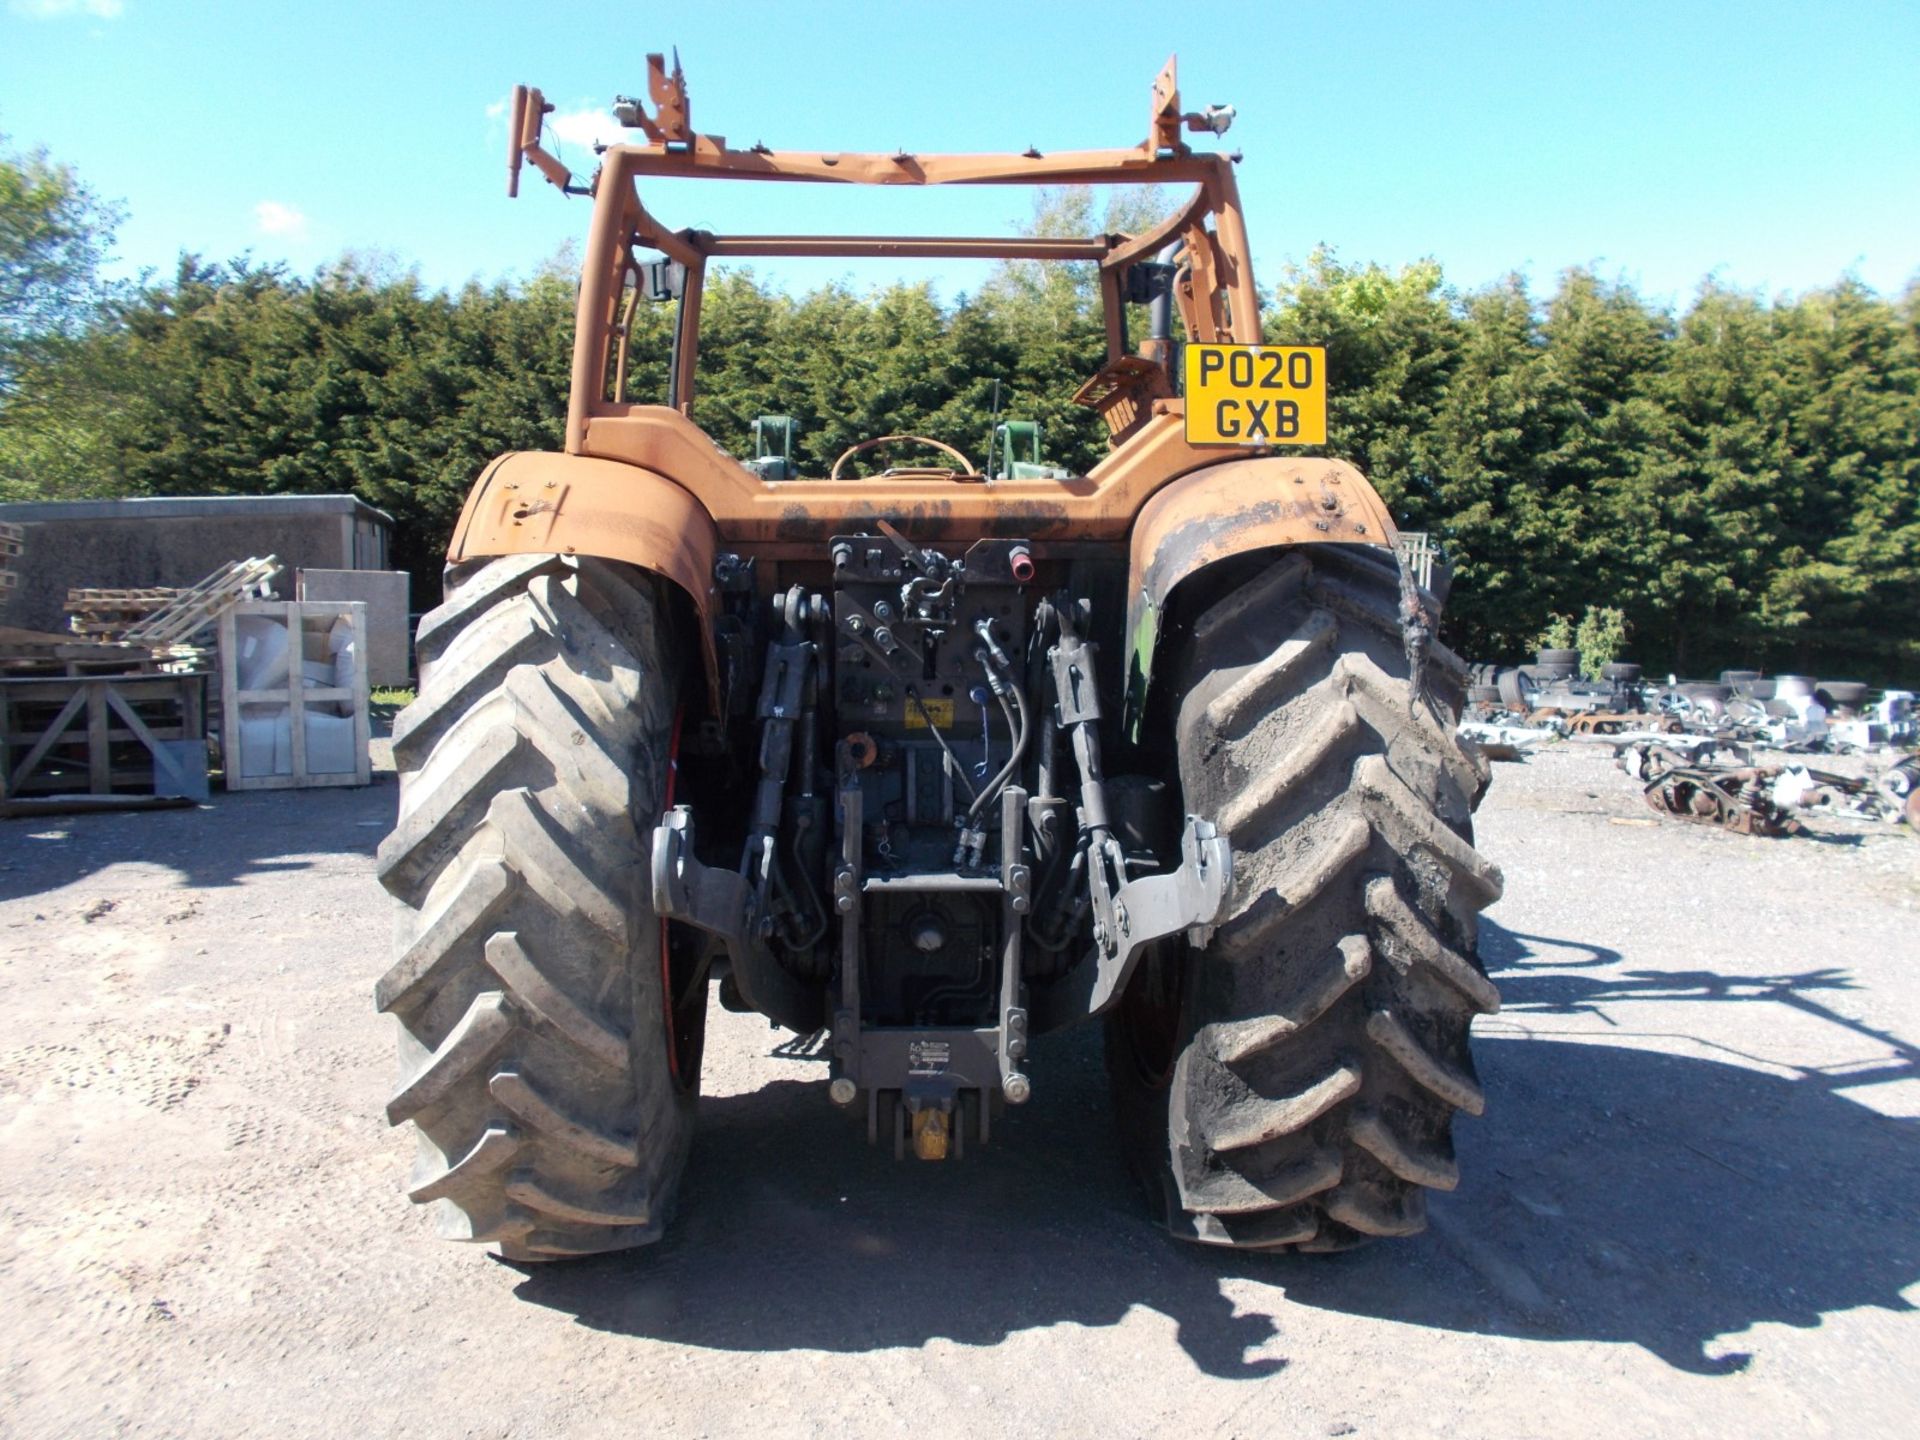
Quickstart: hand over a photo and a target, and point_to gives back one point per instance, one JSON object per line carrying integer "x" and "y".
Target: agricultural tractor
{"x": 921, "y": 759}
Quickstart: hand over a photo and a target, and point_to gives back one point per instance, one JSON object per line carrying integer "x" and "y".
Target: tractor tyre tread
{"x": 527, "y": 983}
{"x": 1323, "y": 1048}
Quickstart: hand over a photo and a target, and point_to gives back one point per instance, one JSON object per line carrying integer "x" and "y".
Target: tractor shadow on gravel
{"x": 223, "y": 842}
{"x": 1611, "y": 1194}
{"x": 1626, "y": 1195}
{"x": 794, "y": 1233}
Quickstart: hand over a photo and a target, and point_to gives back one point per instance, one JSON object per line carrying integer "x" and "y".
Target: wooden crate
{"x": 98, "y": 735}
{"x": 303, "y": 618}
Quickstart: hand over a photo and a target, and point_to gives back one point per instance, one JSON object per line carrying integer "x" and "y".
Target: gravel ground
{"x": 1690, "y": 1209}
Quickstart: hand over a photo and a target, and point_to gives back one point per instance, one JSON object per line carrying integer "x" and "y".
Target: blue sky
{"x": 1774, "y": 145}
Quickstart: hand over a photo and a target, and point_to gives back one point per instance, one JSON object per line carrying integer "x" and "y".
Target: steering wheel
{"x": 965, "y": 472}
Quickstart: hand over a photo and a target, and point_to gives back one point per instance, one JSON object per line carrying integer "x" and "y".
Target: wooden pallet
{"x": 13, "y": 540}
{"x": 39, "y": 652}
{"x": 99, "y": 597}
{"x": 109, "y": 614}
{"x": 203, "y": 604}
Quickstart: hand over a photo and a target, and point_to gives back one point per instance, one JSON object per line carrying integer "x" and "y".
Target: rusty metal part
{"x": 1195, "y": 504}
{"x": 1232, "y": 509}
{"x": 538, "y": 503}
{"x": 902, "y": 247}
{"x": 1123, "y": 391}
{"x": 526, "y": 115}
{"x": 1253, "y": 504}
{"x": 1854, "y": 796}
{"x": 672, "y": 121}
{"x": 1163, "y": 120}
{"x": 1100, "y": 505}
{"x": 1647, "y": 758}
{"x": 1736, "y": 800}
{"x": 1217, "y": 296}
{"x": 966, "y": 471}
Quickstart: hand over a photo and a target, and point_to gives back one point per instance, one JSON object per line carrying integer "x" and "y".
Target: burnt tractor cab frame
{"x": 642, "y": 484}
{"x": 924, "y": 764}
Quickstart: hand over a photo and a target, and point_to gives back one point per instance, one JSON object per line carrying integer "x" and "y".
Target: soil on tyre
{"x": 1294, "y": 1084}
{"x": 549, "y": 1038}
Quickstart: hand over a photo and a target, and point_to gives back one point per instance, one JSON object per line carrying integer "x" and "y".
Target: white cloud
{"x": 586, "y": 128}
{"x": 274, "y": 218}
{"x": 496, "y": 110}
{"x": 58, "y": 9}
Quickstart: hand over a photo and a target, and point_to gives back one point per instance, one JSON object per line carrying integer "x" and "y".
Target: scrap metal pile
{"x": 1692, "y": 744}
{"x": 1787, "y": 712}
{"x": 1762, "y": 799}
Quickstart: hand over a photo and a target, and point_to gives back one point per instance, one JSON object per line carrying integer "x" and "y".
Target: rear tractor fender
{"x": 1229, "y": 509}
{"x": 534, "y": 502}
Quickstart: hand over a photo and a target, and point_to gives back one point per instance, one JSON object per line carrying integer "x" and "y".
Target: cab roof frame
{"x": 1216, "y": 295}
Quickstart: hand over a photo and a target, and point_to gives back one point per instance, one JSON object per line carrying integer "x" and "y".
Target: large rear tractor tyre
{"x": 1293, "y": 1085}
{"x": 552, "y": 1095}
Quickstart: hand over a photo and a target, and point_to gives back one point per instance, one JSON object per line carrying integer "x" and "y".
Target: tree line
{"x": 1738, "y": 477}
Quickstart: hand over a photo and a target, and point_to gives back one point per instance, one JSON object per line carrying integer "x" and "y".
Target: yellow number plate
{"x": 1256, "y": 395}
{"x": 938, "y": 711}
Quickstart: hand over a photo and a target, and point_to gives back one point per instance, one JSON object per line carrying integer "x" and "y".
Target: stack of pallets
{"x": 12, "y": 541}
{"x": 107, "y": 614}
{"x": 145, "y": 630}
{"x": 173, "y": 633}
{"x": 39, "y": 652}
{"x": 114, "y": 712}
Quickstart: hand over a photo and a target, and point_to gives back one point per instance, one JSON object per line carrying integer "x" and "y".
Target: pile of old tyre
{"x": 1746, "y": 697}
{"x": 1838, "y": 697}
{"x": 1553, "y": 682}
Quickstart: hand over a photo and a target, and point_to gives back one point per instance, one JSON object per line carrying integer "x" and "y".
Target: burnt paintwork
{"x": 644, "y": 485}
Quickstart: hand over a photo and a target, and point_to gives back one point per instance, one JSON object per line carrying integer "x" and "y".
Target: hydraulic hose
{"x": 1023, "y": 734}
